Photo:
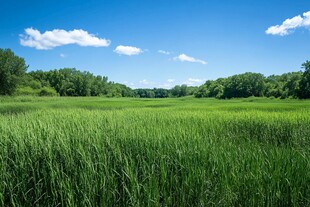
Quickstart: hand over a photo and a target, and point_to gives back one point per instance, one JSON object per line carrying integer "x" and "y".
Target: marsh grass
{"x": 172, "y": 152}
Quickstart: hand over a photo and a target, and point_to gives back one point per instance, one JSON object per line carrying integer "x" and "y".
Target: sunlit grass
{"x": 147, "y": 152}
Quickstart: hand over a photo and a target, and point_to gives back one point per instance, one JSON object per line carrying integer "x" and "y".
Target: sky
{"x": 159, "y": 43}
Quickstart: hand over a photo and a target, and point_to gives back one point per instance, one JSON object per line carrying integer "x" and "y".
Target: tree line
{"x": 14, "y": 80}
{"x": 287, "y": 85}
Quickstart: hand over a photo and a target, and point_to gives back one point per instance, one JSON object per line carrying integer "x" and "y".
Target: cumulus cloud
{"x": 127, "y": 50}
{"x": 193, "y": 81}
{"x": 164, "y": 52}
{"x": 289, "y": 25}
{"x": 170, "y": 80}
{"x": 62, "y": 55}
{"x": 185, "y": 58}
{"x": 58, "y": 37}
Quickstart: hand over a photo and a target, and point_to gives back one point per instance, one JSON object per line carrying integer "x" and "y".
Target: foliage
{"x": 284, "y": 85}
{"x": 252, "y": 84}
{"x": 26, "y": 91}
{"x": 304, "y": 91}
{"x": 244, "y": 85}
{"x": 12, "y": 69}
{"x": 211, "y": 89}
{"x": 48, "y": 91}
{"x": 183, "y": 90}
{"x": 151, "y": 93}
{"x": 72, "y": 82}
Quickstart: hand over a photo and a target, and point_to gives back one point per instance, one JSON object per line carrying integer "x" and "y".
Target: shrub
{"x": 48, "y": 91}
{"x": 28, "y": 91}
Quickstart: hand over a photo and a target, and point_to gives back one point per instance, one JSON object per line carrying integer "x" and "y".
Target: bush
{"x": 48, "y": 91}
{"x": 28, "y": 91}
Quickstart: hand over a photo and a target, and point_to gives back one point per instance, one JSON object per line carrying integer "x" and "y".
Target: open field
{"x": 154, "y": 152}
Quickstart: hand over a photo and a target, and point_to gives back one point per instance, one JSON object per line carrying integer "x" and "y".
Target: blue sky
{"x": 159, "y": 43}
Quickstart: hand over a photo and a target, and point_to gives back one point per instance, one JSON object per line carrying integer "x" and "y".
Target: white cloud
{"x": 130, "y": 84}
{"x": 164, "y": 85}
{"x": 164, "y": 52}
{"x": 145, "y": 82}
{"x": 185, "y": 58}
{"x": 289, "y": 25}
{"x": 193, "y": 81}
{"x": 58, "y": 37}
{"x": 127, "y": 50}
{"x": 167, "y": 85}
{"x": 62, "y": 55}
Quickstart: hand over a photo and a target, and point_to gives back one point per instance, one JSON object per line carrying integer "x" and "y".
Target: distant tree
{"x": 183, "y": 90}
{"x": 72, "y": 82}
{"x": 176, "y": 90}
{"x": 179, "y": 91}
{"x": 244, "y": 85}
{"x": 191, "y": 90}
{"x": 12, "y": 70}
{"x": 161, "y": 93}
{"x": 273, "y": 86}
{"x": 211, "y": 89}
{"x": 304, "y": 86}
{"x": 202, "y": 92}
{"x": 150, "y": 94}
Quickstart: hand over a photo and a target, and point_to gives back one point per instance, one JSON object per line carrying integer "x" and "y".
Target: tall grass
{"x": 128, "y": 152}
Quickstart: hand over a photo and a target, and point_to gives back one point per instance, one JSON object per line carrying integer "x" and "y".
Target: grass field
{"x": 154, "y": 152}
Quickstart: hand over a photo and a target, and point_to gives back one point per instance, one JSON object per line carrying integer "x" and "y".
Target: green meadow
{"x": 154, "y": 152}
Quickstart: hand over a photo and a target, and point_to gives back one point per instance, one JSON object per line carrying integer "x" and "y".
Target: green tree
{"x": 304, "y": 85}
{"x": 244, "y": 85}
{"x": 150, "y": 94}
{"x": 176, "y": 90}
{"x": 211, "y": 89}
{"x": 12, "y": 70}
{"x": 72, "y": 82}
{"x": 183, "y": 90}
{"x": 202, "y": 91}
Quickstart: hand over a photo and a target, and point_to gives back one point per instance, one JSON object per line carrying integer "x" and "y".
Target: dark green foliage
{"x": 211, "y": 89}
{"x": 244, "y": 85}
{"x": 12, "y": 69}
{"x": 72, "y": 82}
{"x": 151, "y": 93}
{"x": 161, "y": 93}
{"x": 283, "y": 86}
{"x": 117, "y": 90}
{"x": 176, "y": 91}
{"x": 183, "y": 90}
{"x": 237, "y": 86}
{"x": 304, "y": 87}
{"x": 253, "y": 84}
